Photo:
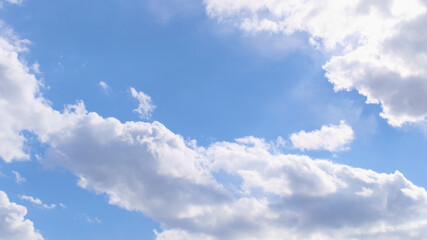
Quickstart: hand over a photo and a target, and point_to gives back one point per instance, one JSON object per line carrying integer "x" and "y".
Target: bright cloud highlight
{"x": 331, "y": 138}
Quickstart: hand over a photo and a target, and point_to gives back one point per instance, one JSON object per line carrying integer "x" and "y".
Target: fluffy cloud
{"x": 22, "y": 106}
{"x": 378, "y": 47}
{"x": 158, "y": 164}
{"x": 13, "y": 224}
{"x": 235, "y": 190}
{"x": 15, "y": 85}
{"x": 145, "y": 106}
{"x": 245, "y": 189}
{"x": 332, "y": 138}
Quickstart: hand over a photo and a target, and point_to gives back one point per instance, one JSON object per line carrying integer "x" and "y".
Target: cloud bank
{"x": 236, "y": 190}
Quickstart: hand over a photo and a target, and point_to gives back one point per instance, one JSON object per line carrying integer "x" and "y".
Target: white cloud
{"x": 159, "y": 166}
{"x": 104, "y": 86}
{"x": 13, "y": 224}
{"x": 35, "y": 68}
{"x": 37, "y": 202}
{"x": 145, "y": 107}
{"x": 142, "y": 166}
{"x": 179, "y": 235}
{"x": 378, "y": 47}
{"x": 22, "y": 106}
{"x": 332, "y": 138}
{"x": 18, "y": 178}
{"x": 245, "y": 189}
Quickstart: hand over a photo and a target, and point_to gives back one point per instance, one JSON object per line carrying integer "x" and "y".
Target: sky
{"x": 213, "y": 119}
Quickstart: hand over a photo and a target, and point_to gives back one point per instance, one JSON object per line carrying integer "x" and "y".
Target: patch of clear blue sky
{"x": 208, "y": 84}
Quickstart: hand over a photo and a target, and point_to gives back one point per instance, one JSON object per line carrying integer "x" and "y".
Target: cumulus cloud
{"x": 244, "y": 189}
{"x": 161, "y": 166}
{"x": 22, "y": 106}
{"x": 142, "y": 166}
{"x": 332, "y": 138}
{"x": 37, "y": 202}
{"x": 13, "y": 224}
{"x": 377, "y": 47}
{"x": 145, "y": 106}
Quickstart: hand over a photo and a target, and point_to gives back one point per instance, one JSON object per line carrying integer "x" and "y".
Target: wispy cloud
{"x": 92, "y": 220}
{"x": 37, "y": 202}
{"x": 105, "y": 87}
{"x": 18, "y": 178}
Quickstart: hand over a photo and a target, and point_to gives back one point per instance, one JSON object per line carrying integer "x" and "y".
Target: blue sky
{"x": 216, "y": 71}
